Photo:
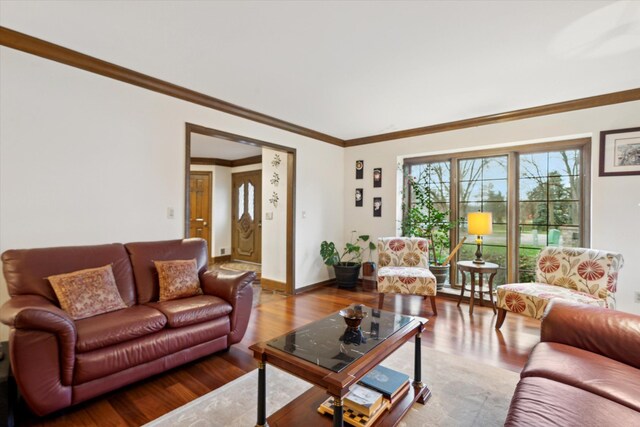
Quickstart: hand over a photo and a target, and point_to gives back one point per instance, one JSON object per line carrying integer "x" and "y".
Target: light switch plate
{"x": 269, "y": 215}
{"x": 170, "y": 213}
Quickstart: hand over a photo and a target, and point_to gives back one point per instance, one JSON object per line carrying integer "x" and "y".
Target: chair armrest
{"x": 611, "y": 333}
{"x": 236, "y": 289}
{"x": 35, "y": 313}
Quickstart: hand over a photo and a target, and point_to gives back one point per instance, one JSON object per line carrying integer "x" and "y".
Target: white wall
{"x": 615, "y": 201}
{"x": 85, "y": 159}
{"x": 274, "y": 230}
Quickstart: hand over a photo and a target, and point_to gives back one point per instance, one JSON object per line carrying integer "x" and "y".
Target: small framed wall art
{"x": 359, "y": 196}
{"x": 377, "y": 206}
{"x": 620, "y": 152}
{"x": 359, "y": 169}
{"x": 377, "y": 177}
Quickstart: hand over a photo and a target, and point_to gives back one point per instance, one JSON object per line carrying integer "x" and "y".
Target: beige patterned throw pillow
{"x": 87, "y": 293}
{"x": 178, "y": 279}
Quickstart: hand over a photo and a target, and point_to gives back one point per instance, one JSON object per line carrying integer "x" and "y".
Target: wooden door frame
{"x": 210, "y": 208}
{"x": 291, "y": 187}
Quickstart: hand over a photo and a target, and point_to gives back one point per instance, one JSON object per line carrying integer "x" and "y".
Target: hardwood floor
{"x": 452, "y": 331}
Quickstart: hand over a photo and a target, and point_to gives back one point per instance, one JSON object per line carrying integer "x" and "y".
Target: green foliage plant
{"x": 424, "y": 219}
{"x": 352, "y": 253}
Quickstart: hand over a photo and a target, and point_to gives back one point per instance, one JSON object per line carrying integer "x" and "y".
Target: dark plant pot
{"x": 347, "y": 274}
{"x": 441, "y": 272}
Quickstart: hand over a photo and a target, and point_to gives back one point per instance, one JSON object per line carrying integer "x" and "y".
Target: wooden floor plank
{"x": 453, "y": 331}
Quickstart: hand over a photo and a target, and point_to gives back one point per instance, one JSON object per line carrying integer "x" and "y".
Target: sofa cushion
{"x": 187, "y": 311}
{"x": 106, "y": 361}
{"x": 542, "y": 402}
{"x": 531, "y": 299}
{"x": 406, "y": 280}
{"x": 87, "y": 293}
{"x": 143, "y": 254}
{"x": 26, "y": 270}
{"x": 588, "y": 371}
{"x": 117, "y": 327}
{"x": 178, "y": 279}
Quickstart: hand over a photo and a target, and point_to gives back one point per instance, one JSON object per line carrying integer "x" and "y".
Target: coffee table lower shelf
{"x": 303, "y": 411}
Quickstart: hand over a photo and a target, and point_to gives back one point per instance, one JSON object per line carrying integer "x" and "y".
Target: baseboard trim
{"x": 272, "y": 285}
{"x": 315, "y": 286}
{"x": 219, "y": 259}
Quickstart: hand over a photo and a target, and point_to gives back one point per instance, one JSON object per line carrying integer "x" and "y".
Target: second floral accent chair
{"x": 404, "y": 269}
{"x": 584, "y": 276}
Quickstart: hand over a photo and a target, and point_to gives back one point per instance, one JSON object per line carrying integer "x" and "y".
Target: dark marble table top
{"x": 331, "y": 344}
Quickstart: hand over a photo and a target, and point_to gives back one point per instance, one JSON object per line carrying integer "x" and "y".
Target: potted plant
{"x": 346, "y": 265}
{"x": 424, "y": 219}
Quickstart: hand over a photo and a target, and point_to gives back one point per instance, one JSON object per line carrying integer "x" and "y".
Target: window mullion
{"x": 513, "y": 212}
{"x": 454, "y": 212}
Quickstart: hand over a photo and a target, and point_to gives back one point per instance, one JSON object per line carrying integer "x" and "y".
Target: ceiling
{"x": 353, "y": 69}
{"x": 218, "y": 148}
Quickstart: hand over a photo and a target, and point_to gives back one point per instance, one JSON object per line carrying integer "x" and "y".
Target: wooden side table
{"x": 481, "y": 270}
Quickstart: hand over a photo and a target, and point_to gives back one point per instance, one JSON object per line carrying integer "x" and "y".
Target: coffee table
{"x": 333, "y": 358}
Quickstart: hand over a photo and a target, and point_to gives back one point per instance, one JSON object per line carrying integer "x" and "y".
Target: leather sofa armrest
{"x": 236, "y": 289}
{"x": 35, "y": 313}
{"x": 611, "y": 333}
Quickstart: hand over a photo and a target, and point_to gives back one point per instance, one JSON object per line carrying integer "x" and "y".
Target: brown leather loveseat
{"x": 584, "y": 372}
{"x": 58, "y": 361}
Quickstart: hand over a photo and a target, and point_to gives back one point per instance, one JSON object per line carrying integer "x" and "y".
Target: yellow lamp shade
{"x": 480, "y": 223}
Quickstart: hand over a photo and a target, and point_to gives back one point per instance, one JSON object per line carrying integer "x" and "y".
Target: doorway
{"x": 246, "y": 214}
{"x": 283, "y": 217}
{"x": 200, "y": 205}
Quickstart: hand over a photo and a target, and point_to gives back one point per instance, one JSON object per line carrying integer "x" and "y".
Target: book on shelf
{"x": 363, "y": 399}
{"x": 389, "y": 382}
{"x": 353, "y": 417}
{"x": 399, "y": 394}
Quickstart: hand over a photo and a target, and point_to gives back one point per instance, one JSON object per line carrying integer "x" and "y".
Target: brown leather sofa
{"x": 58, "y": 362}
{"x": 584, "y": 372}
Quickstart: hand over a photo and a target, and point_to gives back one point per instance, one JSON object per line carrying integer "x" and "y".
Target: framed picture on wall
{"x": 359, "y": 196}
{"x": 359, "y": 169}
{"x": 620, "y": 152}
{"x": 377, "y": 177}
{"x": 377, "y": 206}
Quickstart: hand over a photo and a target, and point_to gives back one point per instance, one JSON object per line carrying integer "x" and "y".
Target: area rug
{"x": 464, "y": 393}
{"x": 242, "y": 266}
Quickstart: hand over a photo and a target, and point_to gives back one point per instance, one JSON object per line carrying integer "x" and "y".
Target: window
{"x": 550, "y": 208}
{"x": 536, "y": 194}
{"x": 483, "y": 187}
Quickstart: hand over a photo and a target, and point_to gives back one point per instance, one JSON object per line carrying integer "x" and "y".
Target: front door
{"x": 200, "y": 209}
{"x": 246, "y": 223}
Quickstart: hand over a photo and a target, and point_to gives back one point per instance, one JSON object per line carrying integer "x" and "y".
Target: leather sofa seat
{"x": 544, "y": 402}
{"x": 106, "y": 361}
{"x": 585, "y": 370}
{"x": 187, "y": 311}
{"x": 117, "y": 327}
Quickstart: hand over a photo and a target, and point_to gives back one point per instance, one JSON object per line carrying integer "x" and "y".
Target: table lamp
{"x": 480, "y": 224}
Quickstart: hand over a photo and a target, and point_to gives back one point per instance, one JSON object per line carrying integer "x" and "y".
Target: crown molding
{"x": 224, "y": 162}
{"x": 44, "y": 49}
{"x": 525, "y": 113}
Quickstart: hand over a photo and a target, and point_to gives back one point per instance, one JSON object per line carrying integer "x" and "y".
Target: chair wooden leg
{"x": 380, "y": 300}
{"x": 433, "y": 305}
{"x": 502, "y": 314}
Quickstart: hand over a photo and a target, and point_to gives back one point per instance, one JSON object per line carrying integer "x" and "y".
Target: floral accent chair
{"x": 583, "y": 276}
{"x": 404, "y": 269}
